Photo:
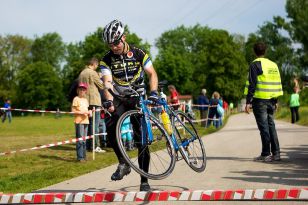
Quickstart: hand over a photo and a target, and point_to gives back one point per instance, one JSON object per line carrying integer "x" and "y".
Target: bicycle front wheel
{"x": 190, "y": 144}
{"x": 155, "y": 157}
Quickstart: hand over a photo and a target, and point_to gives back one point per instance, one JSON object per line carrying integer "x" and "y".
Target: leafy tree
{"x": 199, "y": 57}
{"x": 298, "y": 13}
{"x": 50, "y": 49}
{"x": 14, "y": 54}
{"x": 74, "y": 63}
{"x": 39, "y": 86}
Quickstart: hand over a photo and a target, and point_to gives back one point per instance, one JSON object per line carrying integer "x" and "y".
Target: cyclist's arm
{"x": 153, "y": 79}
{"x": 107, "y": 80}
{"x": 150, "y": 71}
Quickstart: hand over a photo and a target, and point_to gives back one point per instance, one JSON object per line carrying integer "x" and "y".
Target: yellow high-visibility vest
{"x": 269, "y": 83}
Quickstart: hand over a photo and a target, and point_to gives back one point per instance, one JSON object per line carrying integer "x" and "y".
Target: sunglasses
{"x": 115, "y": 43}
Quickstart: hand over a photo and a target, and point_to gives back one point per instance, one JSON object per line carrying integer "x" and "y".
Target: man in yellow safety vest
{"x": 262, "y": 89}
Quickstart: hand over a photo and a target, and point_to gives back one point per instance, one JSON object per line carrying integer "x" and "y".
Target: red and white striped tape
{"x": 44, "y": 111}
{"x": 64, "y": 112}
{"x": 37, "y": 111}
{"x": 49, "y": 145}
{"x": 296, "y": 194}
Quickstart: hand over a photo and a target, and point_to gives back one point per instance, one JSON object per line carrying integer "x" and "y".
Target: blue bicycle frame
{"x": 147, "y": 136}
{"x": 146, "y": 131}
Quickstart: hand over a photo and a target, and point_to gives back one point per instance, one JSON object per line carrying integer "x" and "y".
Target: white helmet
{"x": 113, "y": 31}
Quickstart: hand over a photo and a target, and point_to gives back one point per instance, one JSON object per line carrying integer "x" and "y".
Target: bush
{"x": 303, "y": 97}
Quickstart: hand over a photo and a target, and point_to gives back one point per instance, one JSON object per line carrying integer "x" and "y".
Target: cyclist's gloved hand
{"x": 107, "y": 104}
{"x": 153, "y": 96}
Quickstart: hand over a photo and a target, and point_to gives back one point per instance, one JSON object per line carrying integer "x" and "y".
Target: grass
{"x": 32, "y": 170}
{"x": 285, "y": 115}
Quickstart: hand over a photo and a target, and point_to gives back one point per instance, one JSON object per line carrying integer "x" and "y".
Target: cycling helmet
{"x": 113, "y": 32}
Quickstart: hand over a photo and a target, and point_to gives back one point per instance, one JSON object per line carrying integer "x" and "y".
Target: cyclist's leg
{"x": 143, "y": 151}
{"x": 111, "y": 123}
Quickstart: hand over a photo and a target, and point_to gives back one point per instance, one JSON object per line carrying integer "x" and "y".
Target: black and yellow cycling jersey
{"x": 126, "y": 68}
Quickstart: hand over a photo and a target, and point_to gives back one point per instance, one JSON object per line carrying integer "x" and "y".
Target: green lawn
{"x": 32, "y": 170}
{"x": 285, "y": 114}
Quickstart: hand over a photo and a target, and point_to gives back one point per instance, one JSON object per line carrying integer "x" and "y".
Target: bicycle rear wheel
{"x": 159, "y": 152}
{"x": 190, "y": 144}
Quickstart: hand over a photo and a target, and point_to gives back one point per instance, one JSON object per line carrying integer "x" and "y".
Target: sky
{"x": 74, "y": 19}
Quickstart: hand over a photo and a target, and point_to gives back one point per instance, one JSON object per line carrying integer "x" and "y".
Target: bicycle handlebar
{"x": 130, "y": 92}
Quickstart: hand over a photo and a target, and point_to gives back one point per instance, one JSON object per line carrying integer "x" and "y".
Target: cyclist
{"x": 124, "y": 64}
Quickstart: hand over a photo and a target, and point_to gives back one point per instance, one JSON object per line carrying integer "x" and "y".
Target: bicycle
{"x": 184, "y": 138}
{"x": 149, "y": 136}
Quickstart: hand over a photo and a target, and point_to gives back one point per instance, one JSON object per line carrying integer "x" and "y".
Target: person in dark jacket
{"x": 203, "y": 103}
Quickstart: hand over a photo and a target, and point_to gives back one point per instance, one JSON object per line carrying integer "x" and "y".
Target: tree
{"x": 199, "y": 57}
{"x": 50, "y": 49}
{"x": 39, "y": 86}
{"x": 298, "y": 13}
{"x": 14, "y": 54}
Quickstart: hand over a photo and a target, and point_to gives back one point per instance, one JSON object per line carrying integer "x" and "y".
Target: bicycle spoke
{"x": 184, "y": 131}
{"x": 161, "y": 162}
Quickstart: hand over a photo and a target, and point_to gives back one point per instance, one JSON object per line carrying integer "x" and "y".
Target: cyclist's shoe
{"x": 261, "y": 158}
{"x": 276, "y": 157}
{"x": 144, "y": 186}
{"x": 122, "y": 170}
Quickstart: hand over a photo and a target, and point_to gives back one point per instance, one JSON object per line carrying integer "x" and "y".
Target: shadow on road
{"x": 292, "y": 170}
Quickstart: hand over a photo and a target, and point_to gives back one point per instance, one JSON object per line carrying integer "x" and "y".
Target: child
{"x": 80, "y": 107}
{"x": 7, "y": 112}
{"x": 127, "y": 138}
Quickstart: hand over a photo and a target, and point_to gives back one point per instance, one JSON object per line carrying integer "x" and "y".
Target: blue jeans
{"x": 102, "y": 131}
{"x": 213, "y": 113}
{"x": 264, "y": 114}
{"x": 90, "y": 129}
{"x": 7, "y": 114}
{"x": 81, "y": 131}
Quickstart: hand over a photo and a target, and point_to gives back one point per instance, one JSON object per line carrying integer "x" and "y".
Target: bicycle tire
{"x": 162, "y": 160}
{"x": 194, "y": 153}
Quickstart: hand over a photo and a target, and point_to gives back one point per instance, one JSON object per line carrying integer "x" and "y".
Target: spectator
{"x": 231, "y": 106}
{"x": 127, "y": 138}
{"x": 7, "y": 111}
{"x": 294, "y": 105}
{"x": 262, "y": 89}
{"x": 80, "y": 107}
{"x": 102, "y": 130}
{"x": 225, "y": 105}
{"x": 174, "y": 97}
{"x": 203, "y": 102}
{"x": 102, "y": 123}
{"x": 213, "y": 113}
{"x": 220, "y": 111}
{"x": 91, "y": 78}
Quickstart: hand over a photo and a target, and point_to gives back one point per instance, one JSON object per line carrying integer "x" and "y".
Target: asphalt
{"x": 230, "y": 164}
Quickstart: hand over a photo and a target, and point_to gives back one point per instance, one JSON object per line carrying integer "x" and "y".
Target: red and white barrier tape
{"x": 52, "y": 144}
{"x": 296, "y": 194}
{"x": 98, "y": 110}
{"x": 43, "y": 111}
{"x": 37, "y": 111}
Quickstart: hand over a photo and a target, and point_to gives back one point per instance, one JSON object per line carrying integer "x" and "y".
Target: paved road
{"x": 230, "y": 166}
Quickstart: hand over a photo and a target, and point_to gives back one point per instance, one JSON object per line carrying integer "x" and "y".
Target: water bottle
{"x": 166, "y": 122}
